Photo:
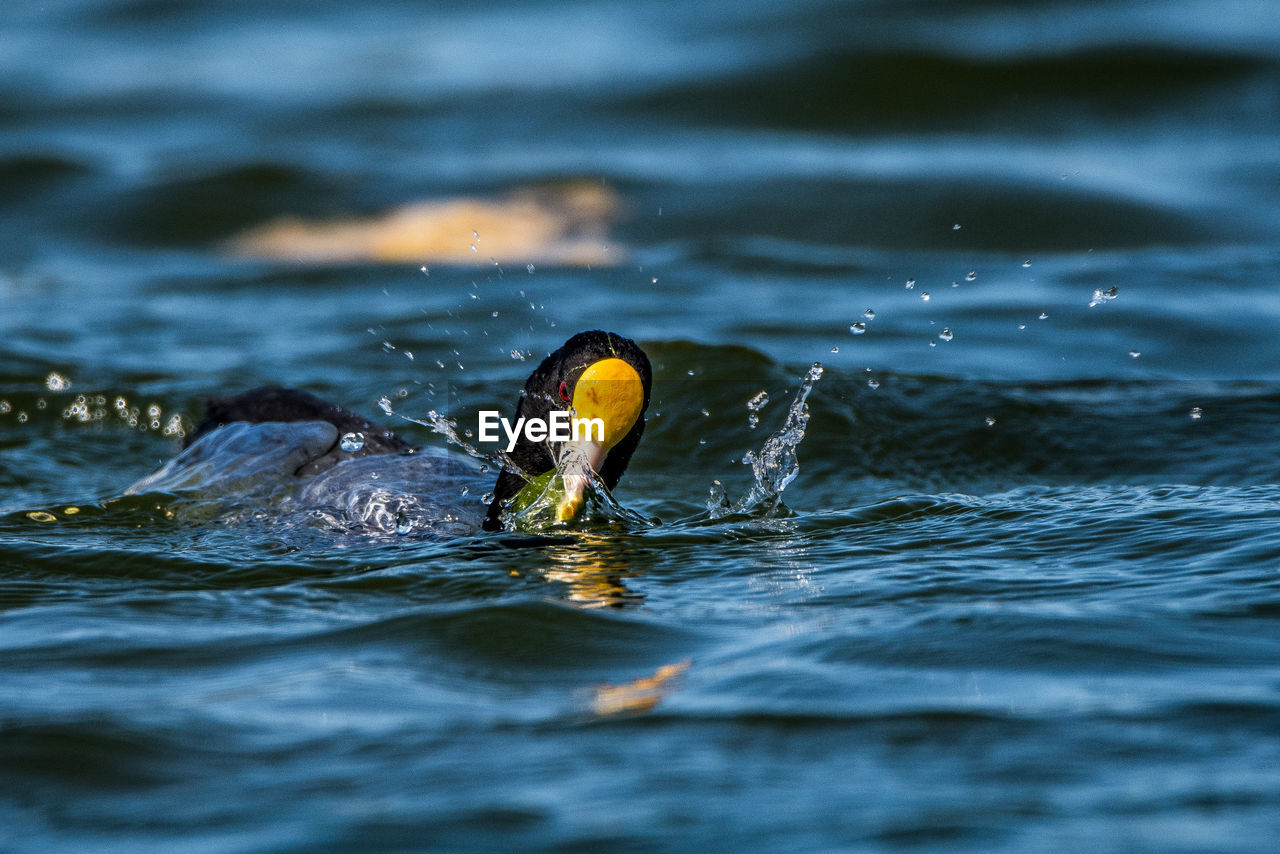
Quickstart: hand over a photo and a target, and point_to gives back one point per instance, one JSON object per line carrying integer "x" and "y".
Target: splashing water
{"x": 775, "y": 465}
{"x": 538, "y": 506}
{"x": 1101, "y": 296}
{"x": 754, "y": 405}
{"x": 447, "y": 427}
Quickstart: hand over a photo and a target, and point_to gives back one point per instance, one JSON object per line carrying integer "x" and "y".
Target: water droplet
{"x": 351, "y": 442}
{"x": 403, "y": 524}
{"x": 474, "y": 250}
{"x": 1026, "y": 263}
{"x": 869, "y": 314}
{"x": 858, "y": 328}
{"x": 911, "y": 283}
{"x": 22, "y": 418}
{"x": 945, "y": 334}
{"x": 57, "y": 382}
{"x": 955, "y": 227}
{"x": 529, "y": 267}
{"x": 760, "y": 401}
{"x": 991, "y": 422}
{"x": 475, "y": 236}
{"x": 1100, "y": 296}
{"x": 425, "y": 271}
{"x": 1043, "y": 316}
{"x": 385, "y": 403}
{"x": 835, "y": 349}
{"x": 487, "y": 498}
{"x": 1021, "y": 326}
{"x": 495, "y": 314}
{"x": 41, "y": 516}
{"x": 972, "y": 274}
{"x": 706, "y": 413}
{"x": 173, "y": 427}
{"x": 1196, "y": 413}
{"x": 873, "y": 384}
{"x": 655, "y": 280}
{"x": 1133, "y": 354}
{"x": 925, "y": 296}
{"x": 5, "y": 407}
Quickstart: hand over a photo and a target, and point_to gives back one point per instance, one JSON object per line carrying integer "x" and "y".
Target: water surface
{"x": 1023, "y": 594}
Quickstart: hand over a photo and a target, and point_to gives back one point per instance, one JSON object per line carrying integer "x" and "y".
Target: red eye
{"x": 564, "y": 392}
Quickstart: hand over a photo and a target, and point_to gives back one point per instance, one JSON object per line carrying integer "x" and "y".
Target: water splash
{"x": 1101, "y": 296}
{"x": 447, "y": 427}
{"x": 775, "y": 465}
{"x": 754, "y": 405}
{"x": 538, "y": 506}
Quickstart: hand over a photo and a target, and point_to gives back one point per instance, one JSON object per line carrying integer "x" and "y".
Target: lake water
{"x": 1023, "y": 593}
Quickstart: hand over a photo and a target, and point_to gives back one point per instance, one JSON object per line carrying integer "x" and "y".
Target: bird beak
{"x": 575, "y": 457}
{"x": 609, "y": 392}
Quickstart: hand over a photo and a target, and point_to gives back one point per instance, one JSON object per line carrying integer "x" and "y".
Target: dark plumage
{"x": 275, "y": 404}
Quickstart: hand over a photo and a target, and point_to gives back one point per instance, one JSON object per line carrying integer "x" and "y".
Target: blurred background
{"x": 778, "y": 168}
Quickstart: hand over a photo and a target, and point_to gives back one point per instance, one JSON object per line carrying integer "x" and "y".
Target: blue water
{"x": 1022, "y": 595}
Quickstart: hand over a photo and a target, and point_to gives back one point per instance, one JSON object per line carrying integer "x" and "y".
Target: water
{"x": 1023, "y": 592}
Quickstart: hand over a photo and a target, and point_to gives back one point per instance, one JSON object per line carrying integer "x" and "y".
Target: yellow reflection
{"x": 564, "y": 224}
{"x": 592, "y": 574}
{"x": 639, "y": 695}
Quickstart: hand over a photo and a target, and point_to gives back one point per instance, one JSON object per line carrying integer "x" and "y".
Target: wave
{"x": 867, "y": 91}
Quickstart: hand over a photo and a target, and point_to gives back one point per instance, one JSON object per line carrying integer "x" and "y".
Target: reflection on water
{"x": 593, "y": 570}
{"x": 565, "y": 225}
{"x": 639, "y": 695}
